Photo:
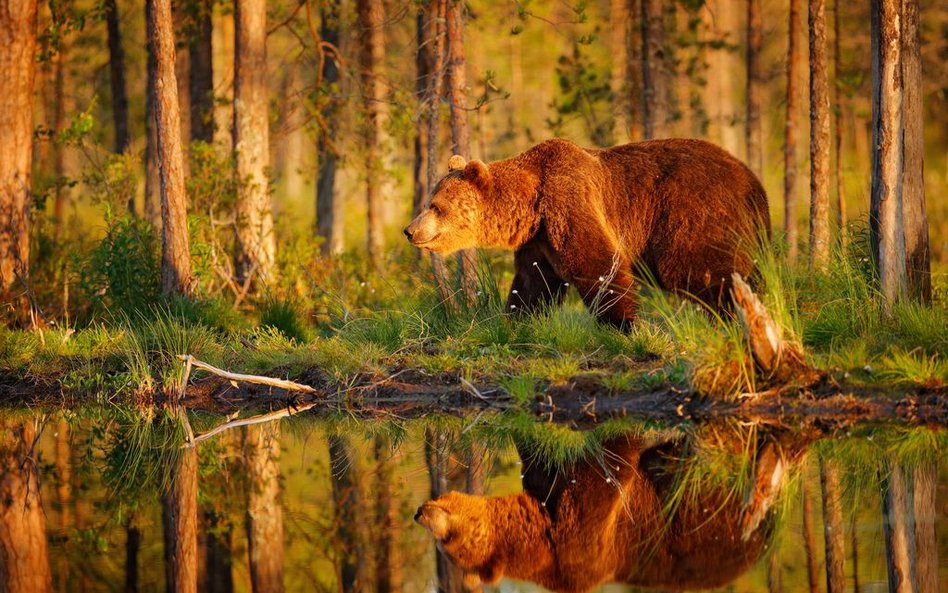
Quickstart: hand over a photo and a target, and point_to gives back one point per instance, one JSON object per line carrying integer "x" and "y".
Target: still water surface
{"x": 347, "y": 506}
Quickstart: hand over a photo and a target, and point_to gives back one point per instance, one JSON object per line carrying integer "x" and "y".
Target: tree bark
{"x": 328, "y": 201}
{"x": 840, "y": 118}
{"x": 809, "y": 539}
{"x": 388, "y": 574}
{"x": 179, "y": 517}
{"x": 59, "y": 124}
{"x": 175, "y": 248}
{"x": 152, "y": 205}
{"x": 925, "y": 486}
{"x": 460, "y": 128}
{"x": 898, "y": 530}
{"x": 256, "y": 243}
{"x": 915, "y": 218}
{"x": 117, "y": 82}
{"x": 201, "y": 74}
{"x": 618, "y": 34}
{"x": 347, "y": 494}
{"x": 819, "y": 137}
{"x": 654, "y": 76}
{"x": 792, "y": 119}
{"x": 633, "y": 70}
{"x": 886, "y": 211}
{"x": 24, "y": 556}
{"x": 753, "y": 133}
{"x": 264, "y": 510}
{"x": 833, "y": 532}
{"x": 371, "y": 57}
{"x": 18, "y": 40}
{"x": 422, "y": 75}
{"x": 724, "y": 64}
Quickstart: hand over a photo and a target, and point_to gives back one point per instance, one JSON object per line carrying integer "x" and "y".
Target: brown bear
{"x": 684, "y": 213}
{"x": 624, "y": 516}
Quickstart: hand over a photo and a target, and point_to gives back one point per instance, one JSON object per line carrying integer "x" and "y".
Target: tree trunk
{"x": 347, "y": 494}
{"x": 133, "y": 542}
{"x": 388, "y": 572}
{"x": 422, "y": 74}
{"x": 886, "y": 215}
{"x": 175, "y": 248}
{"x": 833, "y": 532}
{"x": 264, "y": 511}
{"x": 59, "y": 124}
{"x": 460, "y": 130}
{"x": 24, "y": 557}
{"x": 179, "y": 517}
{"x": 618, "y": 33}
{"x": 18, "y": 40}
{"x": 925, "y": 486}
{"x": 633, "y": 70}
{"x": 117, "y": 80}
{"x": 328, "y": 201}
{"x": 256, "y": 243}
{"x": 152, "y": 205}
{"x": 724, "y": 63}
{"x": 654, "y": 76}
{"x": 819, "y": 137}
{"x": 436, "y": 458}
{"x": 201, "y": 81}
{"x": 809, "y": 539}
{"x": 219, "y": 571}
{"x": 898, "y": 530}
{"x": 794, "y": 67}
{"x": 915, "y": 219}
{"x": 753, "y": 134}
{"x": 64, "y": 499}
{"x": 840, "y": 118}
{"x": 371, "y": 58}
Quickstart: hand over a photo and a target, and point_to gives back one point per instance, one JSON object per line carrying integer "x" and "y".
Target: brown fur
{"x": 598, "y": 522}
{"x": 684, "y": 212}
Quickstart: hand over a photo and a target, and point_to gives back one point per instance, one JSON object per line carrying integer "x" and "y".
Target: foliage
{"x": 122, "y": 272}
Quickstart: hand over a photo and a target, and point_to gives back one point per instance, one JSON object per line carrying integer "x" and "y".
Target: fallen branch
{"x": 276, "y": 415}
{"x": 190, "y": 361}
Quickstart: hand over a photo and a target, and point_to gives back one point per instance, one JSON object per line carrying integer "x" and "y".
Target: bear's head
{"x": 451, "y": 220}
{"x": 462, "y": 526}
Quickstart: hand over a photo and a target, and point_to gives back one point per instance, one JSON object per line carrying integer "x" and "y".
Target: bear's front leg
{"x": 536, "y": 284}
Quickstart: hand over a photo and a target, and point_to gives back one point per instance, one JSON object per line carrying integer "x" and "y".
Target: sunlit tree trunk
{"x": 840, "y": 119}
{"x": 809, "y": 538}
{"x": 794, "y": 69}
{"x": 256, "y": 243}
{"x": 264, "y": 509}
{"x": 886, "y": 211}
{"x": 18, "y": 40}
{"x": 633, "y": 70}
{"x": 389, "y": 557}
{"x": 654, "y": 75}
{"x": 819, "y": 137}
{"x": 724, "y": 63}
{"x": 179, "y": 517}
{"x": 925, "y": 487}
{"x": 436, "y": 458}
{"x": 833, "y": 532}
{"x": 348, "y": 498}
{"x": 329, "y": 201}
{"x": 753, "y": 133}
{"x": 24, "y": 555}
{"x": 915, "y": 218}
{"x": 175, "y": 248}
{"x": 898, "y": 529}
{"x": 371, "y": 57}
{"x": 201, "y": 73}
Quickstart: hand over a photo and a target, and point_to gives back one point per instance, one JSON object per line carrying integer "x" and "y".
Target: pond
{"x": 109, "y": 500}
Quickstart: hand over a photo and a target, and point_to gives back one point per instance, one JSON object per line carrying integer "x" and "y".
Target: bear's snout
{"x": 407, "y": 232}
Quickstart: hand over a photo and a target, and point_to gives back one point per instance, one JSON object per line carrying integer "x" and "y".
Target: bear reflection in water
{"x": 624, "y": 515}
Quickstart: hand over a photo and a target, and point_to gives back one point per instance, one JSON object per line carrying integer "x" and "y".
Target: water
{"x": 314, "y": 504}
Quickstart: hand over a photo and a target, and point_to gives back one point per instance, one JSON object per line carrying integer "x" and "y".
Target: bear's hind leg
{"x": 536, "y": 284}
{"x": 612, "y": 298}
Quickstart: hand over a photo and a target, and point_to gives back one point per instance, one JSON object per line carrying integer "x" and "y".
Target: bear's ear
{"x": 456, "y": 163}
{"x": 477, "y": 173}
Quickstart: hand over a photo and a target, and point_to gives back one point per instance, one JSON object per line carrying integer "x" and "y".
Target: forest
{"x": 215, "y": 338}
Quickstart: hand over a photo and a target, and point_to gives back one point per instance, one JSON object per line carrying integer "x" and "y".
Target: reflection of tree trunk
{"x": 819, "y": 137}
{"x": 179, "y": 517}
{"x": 925, "y": 484}
{"x": 755, "y": 149}
{"x": 64, "y": 498}
{"x": 854, "y": 554}
{"x": 201, "y": 73}
{"x": 833, "y": 532}
{"x": 24, "y": 557}
{"x": 436, "y": 458}
{"x": 328, "y": 200}
{"x": 347, "y": 494}
{"x": 794, "y": 69}
{"x": 389, "y": 560}
{"x": 809, "y": 538}
{"x": 133, "y": 541}
{"x": 898, "y": 530}
{"x": 220, "y": 578}
{"x": 371, "y": 57}
{"x": 175, "y": 248}
{"x": 256, "y": 242}
{"x": 18, "y": 39}
{"x": 264, "y": 512}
